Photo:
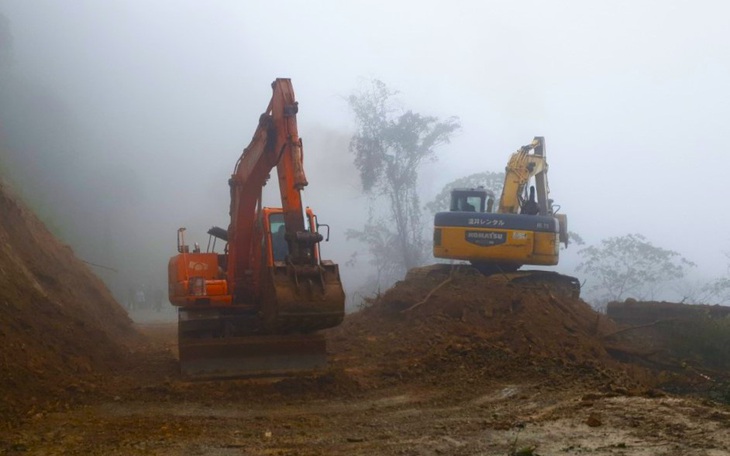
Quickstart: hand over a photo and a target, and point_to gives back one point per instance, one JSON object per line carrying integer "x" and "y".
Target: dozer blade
{"x": 252, "y": 356}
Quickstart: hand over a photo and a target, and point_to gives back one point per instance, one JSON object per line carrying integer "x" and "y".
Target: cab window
{"x": 279, "y": 246}
{"x": 464, "y": 203}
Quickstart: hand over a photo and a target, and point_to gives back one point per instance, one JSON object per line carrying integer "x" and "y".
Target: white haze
{"x": 632, "y": 97}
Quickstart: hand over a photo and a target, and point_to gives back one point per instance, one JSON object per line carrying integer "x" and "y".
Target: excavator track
{"x": 564, "y": 285}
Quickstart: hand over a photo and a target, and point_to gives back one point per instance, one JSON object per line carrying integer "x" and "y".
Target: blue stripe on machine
{"x": 540, "y": 223}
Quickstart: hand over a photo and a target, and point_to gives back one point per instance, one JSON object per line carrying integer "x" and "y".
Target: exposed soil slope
{"x": 59, "y": 325}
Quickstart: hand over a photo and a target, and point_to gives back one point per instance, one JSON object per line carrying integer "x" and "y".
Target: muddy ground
{"x": 445, "y": 362}
{"x": 150, "y": 410}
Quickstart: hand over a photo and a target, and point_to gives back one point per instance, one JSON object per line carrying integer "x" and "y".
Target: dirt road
{"x": 150, "y": 410}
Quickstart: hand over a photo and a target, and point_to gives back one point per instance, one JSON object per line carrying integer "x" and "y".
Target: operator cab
{"x": 471, "y": 200}
{"x": 274, "y": 230}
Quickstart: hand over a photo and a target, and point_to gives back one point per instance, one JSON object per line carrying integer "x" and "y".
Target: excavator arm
{"x": 275, "y": 144}
{"x": 521, "y": 167}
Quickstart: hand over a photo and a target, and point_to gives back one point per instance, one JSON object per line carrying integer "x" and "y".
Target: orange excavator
{"x": 255, "y": 308}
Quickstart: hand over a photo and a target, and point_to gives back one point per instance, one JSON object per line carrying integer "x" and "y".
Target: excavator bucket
{"x": 251, "y": 356}
{"x": 279, "y": 339}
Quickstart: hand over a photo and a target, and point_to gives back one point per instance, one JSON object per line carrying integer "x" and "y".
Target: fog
{"x": 123, "y": 120}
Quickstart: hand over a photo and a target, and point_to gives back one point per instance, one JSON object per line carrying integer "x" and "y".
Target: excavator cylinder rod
{"x": 251, "y": 356}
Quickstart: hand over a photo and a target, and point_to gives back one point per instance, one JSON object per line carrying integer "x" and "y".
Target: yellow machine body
{"x": 521, "y": 228}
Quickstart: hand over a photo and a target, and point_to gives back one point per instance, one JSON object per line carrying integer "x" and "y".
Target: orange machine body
{"x": 242, "y": 311}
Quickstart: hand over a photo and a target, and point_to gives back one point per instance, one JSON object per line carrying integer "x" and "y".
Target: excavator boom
{"x": 523, "y": 166}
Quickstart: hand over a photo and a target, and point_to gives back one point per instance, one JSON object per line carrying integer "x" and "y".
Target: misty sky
{"x": 631, "y": 96}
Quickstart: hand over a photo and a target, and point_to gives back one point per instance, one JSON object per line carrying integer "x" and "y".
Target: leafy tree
{"x": 381, "y": 242}
{"x": 717, "y": 289}
{"x": 701, "y": 291}
{"x": 575, "y": 238}
{"x": 720, "y": 289}
{"x": 390, "y": 146}
{"x": 630, "y": 264}
{"x": 704, "y": 290}
{"x": 487, "y": 179}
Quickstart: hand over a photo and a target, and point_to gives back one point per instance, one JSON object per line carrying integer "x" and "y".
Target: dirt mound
{"x": 637, "y": 313}
{"x": 465, "y": 327}
{"x": 59, "y": 325}
{"x": 686, "y": 342}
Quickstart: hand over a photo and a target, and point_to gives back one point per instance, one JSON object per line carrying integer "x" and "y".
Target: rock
{"x": 594, "y": 420}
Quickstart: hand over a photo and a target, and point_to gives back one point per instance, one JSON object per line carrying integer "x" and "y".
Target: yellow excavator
{"x": 522, "y": 228}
